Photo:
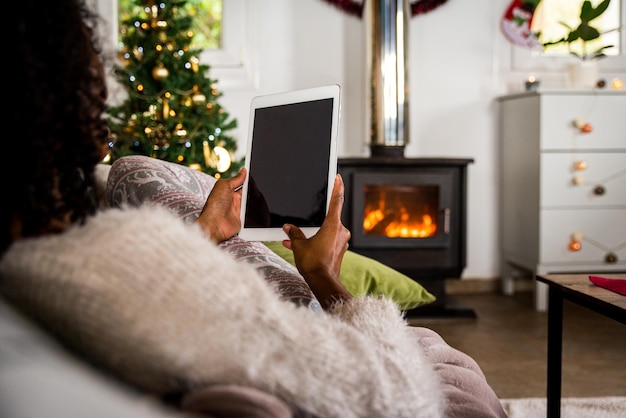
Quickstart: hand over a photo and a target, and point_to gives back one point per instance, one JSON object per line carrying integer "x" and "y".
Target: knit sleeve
{"x": 149, "y": 297}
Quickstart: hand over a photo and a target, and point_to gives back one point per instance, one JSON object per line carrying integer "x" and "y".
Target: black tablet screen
{"x": 288, "y": 174}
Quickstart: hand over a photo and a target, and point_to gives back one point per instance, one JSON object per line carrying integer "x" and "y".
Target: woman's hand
{"x": 319, "y": 258}
{"x": 220, "y": 216}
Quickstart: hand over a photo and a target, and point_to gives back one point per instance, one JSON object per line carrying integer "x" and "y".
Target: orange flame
{"x": 398, "y": 225}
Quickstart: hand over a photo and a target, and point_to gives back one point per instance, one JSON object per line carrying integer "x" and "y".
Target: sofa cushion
{"x": 364, "y": 275}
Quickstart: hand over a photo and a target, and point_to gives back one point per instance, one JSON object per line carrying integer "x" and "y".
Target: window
{"x": 227, "y": 61}
{"x": 546, "y": 20}
{"x": 206, "y": 15}
{"x": 550, "y": 12}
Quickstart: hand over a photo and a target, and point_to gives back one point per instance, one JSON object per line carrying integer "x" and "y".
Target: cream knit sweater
{"x": 149, "y": 297}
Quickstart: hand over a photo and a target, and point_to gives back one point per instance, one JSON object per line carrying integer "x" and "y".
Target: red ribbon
{"x": 355, "y": 8}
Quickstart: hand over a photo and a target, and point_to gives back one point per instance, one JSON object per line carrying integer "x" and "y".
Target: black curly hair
{"x": 55, "y": 133}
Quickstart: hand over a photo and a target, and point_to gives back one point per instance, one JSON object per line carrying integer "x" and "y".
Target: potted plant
{"x": 585, "y": 72}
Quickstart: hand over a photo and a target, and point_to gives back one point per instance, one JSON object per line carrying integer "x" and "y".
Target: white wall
{"x": 459, "y": 63}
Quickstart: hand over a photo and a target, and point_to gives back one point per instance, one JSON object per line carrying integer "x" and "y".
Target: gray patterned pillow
{"x": 136, "y": 180}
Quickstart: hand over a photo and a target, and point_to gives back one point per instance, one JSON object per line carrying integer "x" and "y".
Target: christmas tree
{"x": 171, "y": 111}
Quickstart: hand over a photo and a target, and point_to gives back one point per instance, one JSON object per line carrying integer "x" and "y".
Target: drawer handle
{"x": 610, "y": 258}
{"x": 599, "y": 190}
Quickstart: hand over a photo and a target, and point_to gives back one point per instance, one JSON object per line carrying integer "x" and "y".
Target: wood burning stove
{"x": 409, "y": 213}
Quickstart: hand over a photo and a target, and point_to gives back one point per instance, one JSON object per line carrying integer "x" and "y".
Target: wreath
{"x": 418, "y": 7}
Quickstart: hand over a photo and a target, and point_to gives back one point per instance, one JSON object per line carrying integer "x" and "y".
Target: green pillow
{"x": 364, "y": 275}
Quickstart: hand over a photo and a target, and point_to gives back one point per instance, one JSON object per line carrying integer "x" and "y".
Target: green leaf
{"x": 591, "y": 13}
{"x": 573, "y": 35}
{"x": 585, "y": 11}
{"x": 587, "y": 33}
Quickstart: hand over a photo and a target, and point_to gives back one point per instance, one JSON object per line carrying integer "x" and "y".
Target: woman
{"x": 106, "y": 283}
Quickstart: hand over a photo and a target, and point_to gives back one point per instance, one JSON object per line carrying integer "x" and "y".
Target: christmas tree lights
{"x": 171, "y": 111}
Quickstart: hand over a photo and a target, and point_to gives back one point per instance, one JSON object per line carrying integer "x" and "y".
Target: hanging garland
{"x": 355, "y": 8}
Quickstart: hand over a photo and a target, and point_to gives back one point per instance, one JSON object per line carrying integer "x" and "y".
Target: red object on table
{"x": 616, "y": 285}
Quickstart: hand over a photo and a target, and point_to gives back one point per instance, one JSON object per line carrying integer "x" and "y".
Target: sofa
{"x": 40, "y": 377}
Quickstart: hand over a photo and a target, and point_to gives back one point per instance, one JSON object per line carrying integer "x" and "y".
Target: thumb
{"x": 240, "y": 176}
{"x": 293, "y": 232}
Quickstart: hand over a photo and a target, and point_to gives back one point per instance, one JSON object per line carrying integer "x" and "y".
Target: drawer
{"x": 602, "y": 232}
{"x": 605, "y": 113}
{"x": 607, "y": 170}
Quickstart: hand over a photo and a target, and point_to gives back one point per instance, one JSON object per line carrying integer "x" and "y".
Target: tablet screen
{"x": 289, "y": 165}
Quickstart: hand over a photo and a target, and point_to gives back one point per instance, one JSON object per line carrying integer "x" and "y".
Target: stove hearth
{"x": 410, "y": 213}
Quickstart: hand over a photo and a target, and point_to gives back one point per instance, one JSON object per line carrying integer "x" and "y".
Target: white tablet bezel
{"x": 297, "y": 96}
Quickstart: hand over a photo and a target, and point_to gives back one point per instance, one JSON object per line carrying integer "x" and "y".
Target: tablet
{"x": 291, "y": 158}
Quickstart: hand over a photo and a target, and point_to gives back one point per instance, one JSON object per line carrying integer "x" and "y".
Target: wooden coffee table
{"x": 578, "y": 289}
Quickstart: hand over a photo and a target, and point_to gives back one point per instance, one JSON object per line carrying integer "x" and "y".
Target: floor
{"x": 508, "y": 340}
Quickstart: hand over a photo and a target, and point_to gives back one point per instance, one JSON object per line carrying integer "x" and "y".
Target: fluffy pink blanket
{"x": 465, "y": 387}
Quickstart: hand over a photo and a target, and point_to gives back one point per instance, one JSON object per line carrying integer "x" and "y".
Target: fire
{"x": 398, "y": 225}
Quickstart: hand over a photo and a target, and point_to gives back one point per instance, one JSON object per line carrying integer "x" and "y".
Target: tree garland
{"x": 355, "y": 8}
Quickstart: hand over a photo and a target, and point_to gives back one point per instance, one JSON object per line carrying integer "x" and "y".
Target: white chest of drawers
{"x": 562, "y": 186}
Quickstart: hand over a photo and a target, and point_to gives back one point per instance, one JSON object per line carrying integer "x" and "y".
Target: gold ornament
{"x": 197, "y": 97}
{"x": 166, "y": 109}
{"x": 123, "y": 58}
{"x": 152, "y": 111}
{"x": 194, "y": 61}
{"x": 138, "y": 52}
{"x": 160, "y": 72}
{"x": 223, "y": 159}
{"x": 206, "y": 152}
{"x": 161, "y": 136}
{"x": 180, "y": 131}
